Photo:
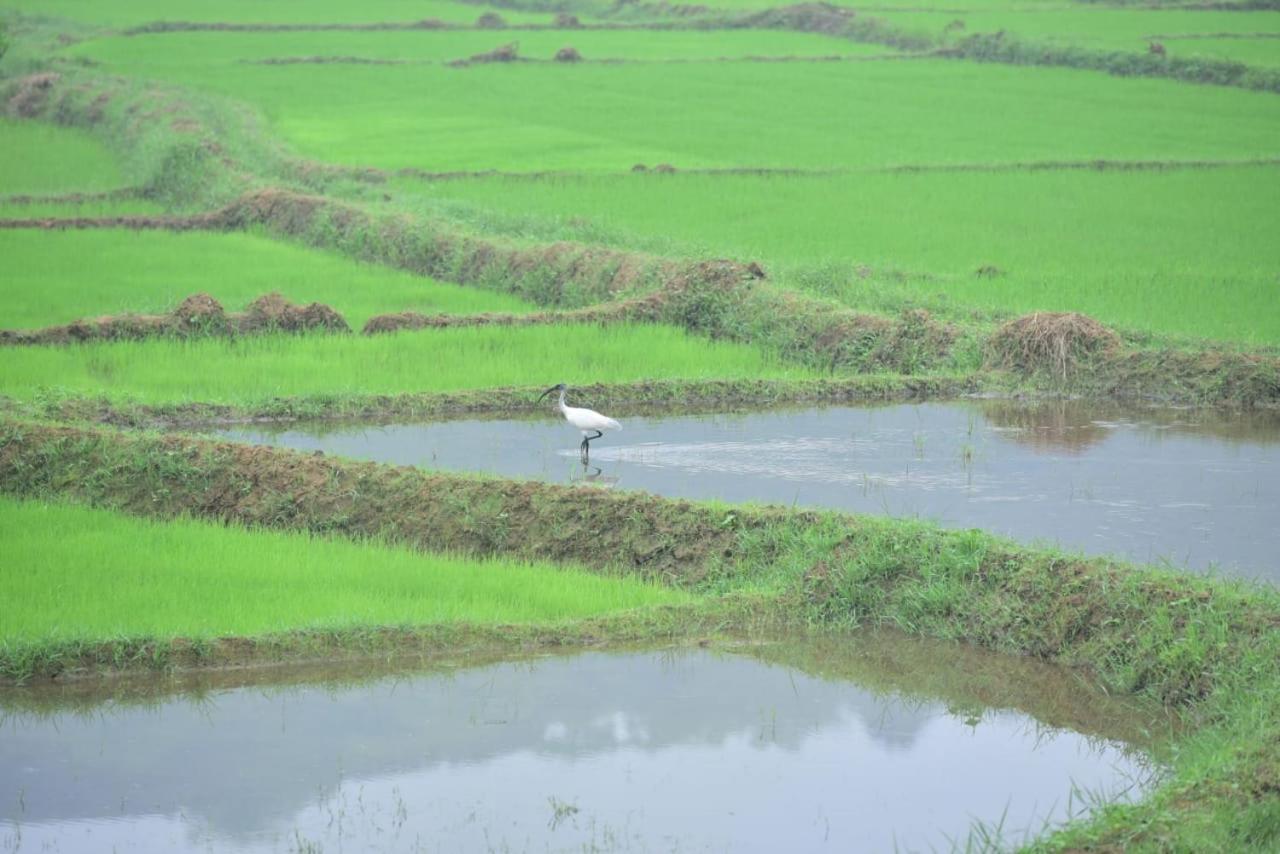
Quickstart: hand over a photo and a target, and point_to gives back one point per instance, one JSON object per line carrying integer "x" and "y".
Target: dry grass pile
{"x": 1051, "y": 342}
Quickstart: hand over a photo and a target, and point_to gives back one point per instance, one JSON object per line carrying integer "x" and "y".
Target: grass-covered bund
{"x": 906, "y": 185}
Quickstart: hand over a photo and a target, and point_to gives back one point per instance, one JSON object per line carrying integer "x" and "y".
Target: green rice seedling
{"x": 56, "y": 277}
{"x": 151, "y": 54}
{"x": 1182, "y": 252}
{"x": 137, "y": 12}
{"x": 42, "y": 159}
{"x": 75, "y": 573}
{"x": 1094, "y": 27}
{"x": 608, "y": 117}
{"x": 271, "y": 366}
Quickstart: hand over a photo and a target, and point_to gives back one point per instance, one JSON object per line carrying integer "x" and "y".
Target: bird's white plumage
{"x": 591, "y": 423}
{"x": 587, "y": 420}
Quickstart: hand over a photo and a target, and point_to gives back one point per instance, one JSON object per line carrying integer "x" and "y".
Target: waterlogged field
{"x": 895, "y": 182}
{"x": 1181, "y": 252}
{"x": 253, "y": 370}
{"x": 54, "y": 277}
{"x": 194, "y": 579}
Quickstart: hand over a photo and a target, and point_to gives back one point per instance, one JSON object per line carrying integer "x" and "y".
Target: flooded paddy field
{"x": 1191, "y": 488}
{"x": 836, "y": 743}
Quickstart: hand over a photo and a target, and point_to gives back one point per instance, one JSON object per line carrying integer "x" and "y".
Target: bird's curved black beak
{"x": 548, "y": 391}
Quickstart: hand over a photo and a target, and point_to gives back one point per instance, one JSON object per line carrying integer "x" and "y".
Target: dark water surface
{"x": 840, "y": 745}
{"x": 1189, "y": 488}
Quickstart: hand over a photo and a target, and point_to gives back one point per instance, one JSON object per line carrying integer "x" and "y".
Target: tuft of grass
{"x": 78, "y": 574}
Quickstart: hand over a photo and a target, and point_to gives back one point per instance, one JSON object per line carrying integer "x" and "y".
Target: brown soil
{"x": 509, "y": 52}
{"x": 199, "y": 314}
{"x": 643, "y": 309}
{"x": 324, "y": 60}
{"x": 32, "y": 92}
{"x": 491, "y": 21}
{"x": 802, "y": 17}
{"x": 137, "y": 223}
{"x": 75, "y": 198}
{"x": 1051, "y": 342}
{"x": 566, "y": 21}
{"x": 568, "y": 54}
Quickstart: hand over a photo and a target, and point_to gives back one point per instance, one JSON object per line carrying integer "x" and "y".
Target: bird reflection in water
{"x": 594, "y": 476}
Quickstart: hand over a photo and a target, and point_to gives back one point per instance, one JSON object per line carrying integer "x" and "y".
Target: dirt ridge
{"x": 1043, "y": 604}
{"x": 196, "y": 316}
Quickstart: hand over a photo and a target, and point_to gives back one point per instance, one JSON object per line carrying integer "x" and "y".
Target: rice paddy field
{"x": 674, "y": 210}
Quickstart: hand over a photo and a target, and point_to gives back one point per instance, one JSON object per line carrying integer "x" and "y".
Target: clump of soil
{"x": 988, "y": 271}
{"x": 197, "y": 315}
{"x": 646, "y": 308}
{"x": 664, "y": 167}
{"x": 509, "y": 52}
{"x": 491, "y": 21}
{"x": 565, "y": 21}
{"x": 409, "y": 320}
{"x": 639, "y": 167}
{"x": 32, "y": 92}
{"x": 272, "y": 312}
{"x": 804, "y": 17}
{"x": 1056, "y": 342}
{"x": 200, "y": 312}
{"x": 1156, "y": 49}
{"x": 568, "y": 54}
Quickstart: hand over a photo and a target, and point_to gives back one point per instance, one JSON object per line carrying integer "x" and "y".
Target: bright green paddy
{"x": 74, "y": 573}
{"x": 135, "y": 12}
{"x": 255, "y": 369}
{"x": 45, "y": 159}
{"x": 1188, "y": 252}
{"x": 55, "y": 277}
{"x": 152, "y": 54}
{"x": 599, "y": 117}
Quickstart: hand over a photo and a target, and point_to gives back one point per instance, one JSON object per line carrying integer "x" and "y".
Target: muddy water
{"x": 1186, "y": 488}
{"x": 789, "y": 748}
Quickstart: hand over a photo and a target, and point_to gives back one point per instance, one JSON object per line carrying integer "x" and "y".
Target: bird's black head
{"x": 560, "y": 387}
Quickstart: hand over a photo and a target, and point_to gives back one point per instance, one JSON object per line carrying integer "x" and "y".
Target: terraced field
{"x": 262, "y": 212}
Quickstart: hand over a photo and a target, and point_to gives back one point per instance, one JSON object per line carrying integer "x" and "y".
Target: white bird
{"x": 587, "y": 420}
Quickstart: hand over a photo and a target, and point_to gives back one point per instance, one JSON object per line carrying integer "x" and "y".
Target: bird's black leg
{"x": 585, "y": 447}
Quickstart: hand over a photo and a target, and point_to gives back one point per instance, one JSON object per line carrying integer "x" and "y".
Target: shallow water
{"x": 790, "y": 748}
{"x": 1184, "y": 487}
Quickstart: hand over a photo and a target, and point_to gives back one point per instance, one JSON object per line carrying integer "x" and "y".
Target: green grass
{"x": 528, "y": 117}
{"x": 135, "y": 12}
{"x": 153, "y": 54}
{"x": 43, "y": 159}
{"x": 54, "y": 277}
{"x": 1259, "y": 52}
{"x": 1181, "y": 252}
{"x": 255, "y": 369}
{"x": 74, "y": 573}
{"x": 1100, "y": 27}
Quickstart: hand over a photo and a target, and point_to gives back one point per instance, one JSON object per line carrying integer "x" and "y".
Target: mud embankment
{"x": 624, "y": 399}
{"x": 840, "y": 568}
{"x": 197, "y": 315}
